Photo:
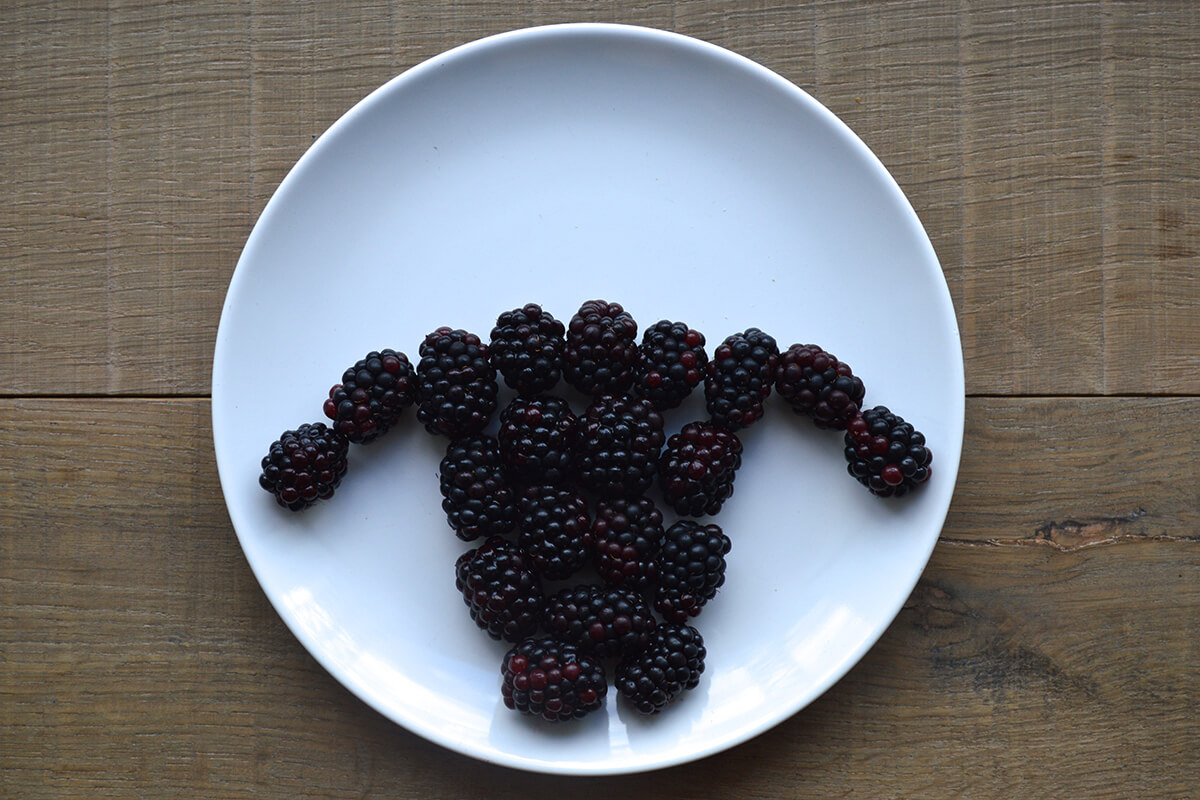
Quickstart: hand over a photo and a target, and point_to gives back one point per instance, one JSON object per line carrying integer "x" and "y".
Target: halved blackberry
{"x": 371, "y": 395}
{"x": 501, "y": 589}
{"x": 697, "y": 468}
{"x": 555, "y": 529}
{"x": 739, "y": 378}
{"x": 526, "y": 348}
{"x": 601, "y": 348}
{"x": 815, "y": 384}
{"x": 304, "y": 465}
{"x": 626, "y": 534}
{"x": 476, "y": 498}
{"x": 616, "y": 446}
{"x": 600, "y": 620}
{"x": 885, "y": 453}
{"x": 535, "y": 439}
{"x": 548, "y": 679}
{"x": 671, "y": 362}
{"x": 691, "y": 567}
{"x": 670, "y": 664}
{"x": 456, "y": 383}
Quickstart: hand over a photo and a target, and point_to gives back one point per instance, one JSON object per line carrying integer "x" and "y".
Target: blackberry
{"x": 697, "y": 468}
{"x": 671, "y": 362}
{"x": 371, "y": 395}
{"x": 456, "y": 383}
{"x": 526, "y": 348}
{"x": 739, "y": 378}
{"x": 535, "y": 439}
{"x": 691, "y": 567}
{"x": 304, "y": 465}
{"x": 554, "y": 528}
{"x": 501, "y": 589}
{"x": 616, "y": 446}
{"x": 545, "y": 678}
{"x": 601, "y": 348}
{"x": 817, "y": 385}
{"x": 600, "y": 620}
{"x": 475, "y": 496}
{"x": 625, "y": 539}
{"x": 670, "y": 665}
{"x": 886, "y": 454}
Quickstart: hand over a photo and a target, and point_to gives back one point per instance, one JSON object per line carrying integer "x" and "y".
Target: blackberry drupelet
{"x": 501, "y": 589}
{"x": 601, "y": 351}
{"x": 545, "y": 678}
{"x": 526, "y": 349}
{"x": 371, "y": 395}
{"x": 697, "y": 468}
{"x": 616, "y": 446}
{"x": 555, "y": 529}
{"x": 602, "y": 621}
{"x": 304, "y": 465}
{"x": 475, "y": 496}
{"x": 670, "y": 664}
{"x": 815, "y": 384}
{"x": 671, "y": 363}
{"x": 691, "y": 567}
{"x": 739, "y": 378}
{"x": 456, "y": 383}
{"x": 535, "y": 439}
{"x": 626, "y": 534}
{"x": 886, "y": 454}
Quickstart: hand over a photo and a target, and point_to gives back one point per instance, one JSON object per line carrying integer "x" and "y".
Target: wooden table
{"x": 1051, "y": 649}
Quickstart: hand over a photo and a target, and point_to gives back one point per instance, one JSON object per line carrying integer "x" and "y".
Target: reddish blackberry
{"x": 671, "y": 362}
{"x": 554, "y": 528}
{"x": 501, "y": 589}
{"x": 817, "y": 385}
{"x": 526, "y": 348}
{"x": 475, "y": 496}
{"x": 670, "y": 664}
{"x": 304, "y": 465}
{"x": 457, "y": 383}
{"x": 625, "y": 539}
{"x": 616, "y": 446}
{"x": 886, "y": 454}
{"x": 739, "y": 378}
{"x": 548, "y": 679}
{"x": 600, "y": 620}
{"x": 691, "y": 567}
{"x": 371, "y": 395}
{"x": 535, "y": 439}
{"x": 697, "y": 468}
{"x": 601, "y": 351}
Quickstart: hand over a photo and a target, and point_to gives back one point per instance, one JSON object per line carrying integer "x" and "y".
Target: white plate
{"x": 556, "y": 165}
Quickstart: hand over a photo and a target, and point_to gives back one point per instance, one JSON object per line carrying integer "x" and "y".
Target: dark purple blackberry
{"x": 501, "y": 589}
{"x": 739, "y": 379}
{"x": 691, "y": 567}
{"x": 670, "y": 664}
{"x": 815, "y": 384}
{"x": 548, "y": 679}
{"x": 625, "y": 539}
{"x": 616, "y": 446}
{"x": 475, "y": 496}
{"x": 697, "y": 468}
{"x": 535, "y": 439}
{"x": 554, "y": 528}
{"x": 601, "y": 352}
{"x": 600, "y": 620}
{"x": 671, "y": 362}
{"x": 371, "y": 395}
{"x": 526, "y": 348}
{"x": 456, "y": 383}
{"x": 304, "y": 465}
{"x": 886, "y": 454}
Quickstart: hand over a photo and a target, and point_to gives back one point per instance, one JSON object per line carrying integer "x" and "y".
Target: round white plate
{"x": 556, "y": 165}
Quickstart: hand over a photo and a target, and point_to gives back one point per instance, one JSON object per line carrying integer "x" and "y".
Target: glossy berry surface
{"x": 616, "y": 446}
{"x": 886, "y": 454}
{"x": 601, "y": 352}
{"x": 456, "y": 383}
{"x": 548, "y": 679}
{"x": 304, "y": 465}
{"x": 697, "y": 468}
{"x": 601, "y": 620}
{"x": 555, "y": 529}
{"x": 671, "y": 363}
{"x": 526, "y": 349}
{"x": 819, "y": 386}
{"x": 739, "y": 379}
{"x": 475, "y": 495}
{"x": 691, "y": 567}
{"x": 535, "y": 439}
{"x": 670, "y": 664}
{"x": 502, "y": 591}
{"x": 372, "y": 395}
{"x": 626, "y": 534}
